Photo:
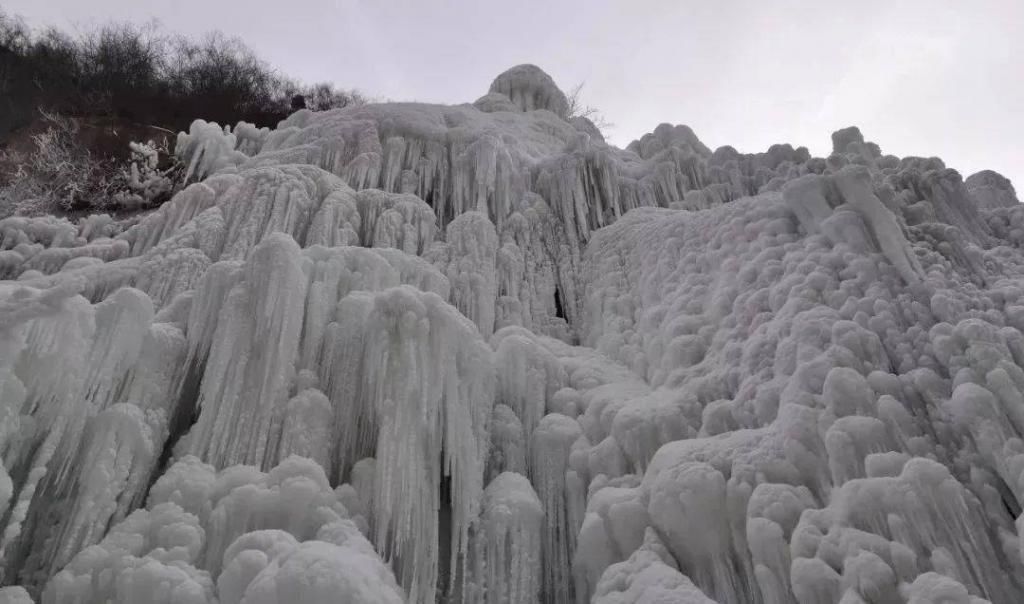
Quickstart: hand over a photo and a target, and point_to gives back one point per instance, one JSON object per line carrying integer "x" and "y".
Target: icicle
{"x": 355, "y": 420}
{"x": 253, "y": 357}
{"x": 613, "y": 525}
{"x": 337, "y": 222}
{"x": 306, "y": 427}
{"x": 116, "y": 460}
{"x": 550, "y": 448}
{"x": 394, "y": 220}
{"x": 120, "y": 450}
{"x": 505, "y": 565}
{"x": 528, "y": 375}
{"x": 469, "y": 263}
{"x": 429, "y": 378}
{"x": 94, "y": 376}
{"x": 508, "y": 447}
{"x": 164, "y": 277}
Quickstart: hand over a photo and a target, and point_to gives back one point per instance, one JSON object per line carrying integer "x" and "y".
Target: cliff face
{"x": 404, "y": 352}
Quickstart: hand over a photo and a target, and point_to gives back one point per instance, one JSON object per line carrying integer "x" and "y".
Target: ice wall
{"x": 419, "y": 353}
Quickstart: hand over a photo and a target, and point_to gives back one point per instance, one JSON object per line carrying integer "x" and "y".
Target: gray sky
{"x": 943, "y": 78}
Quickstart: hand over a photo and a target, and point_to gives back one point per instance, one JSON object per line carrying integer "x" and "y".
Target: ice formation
{"x": 417, "y": 353}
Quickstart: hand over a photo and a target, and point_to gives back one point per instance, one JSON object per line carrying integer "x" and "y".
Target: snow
{"x": 414, "y": 353}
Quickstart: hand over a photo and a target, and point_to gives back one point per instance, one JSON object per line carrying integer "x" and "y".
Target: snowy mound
{"x": 419, "y": 353}
{"x": 529, "y": 88}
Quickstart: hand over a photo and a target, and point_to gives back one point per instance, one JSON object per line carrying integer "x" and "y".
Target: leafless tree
{"x": 578, "y": 108}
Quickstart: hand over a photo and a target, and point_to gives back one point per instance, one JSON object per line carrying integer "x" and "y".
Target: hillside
{"x": 406, "y": 352}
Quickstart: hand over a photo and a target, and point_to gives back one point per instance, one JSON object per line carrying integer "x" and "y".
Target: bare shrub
{"x": 578, "y": 108}
{"x": 144, "y": 75}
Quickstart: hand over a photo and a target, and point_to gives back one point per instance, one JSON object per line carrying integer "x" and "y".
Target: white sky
{"x": 941, "y": 77}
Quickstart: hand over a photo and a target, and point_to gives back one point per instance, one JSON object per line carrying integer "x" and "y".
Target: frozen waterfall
{"x": 418, "y": 353}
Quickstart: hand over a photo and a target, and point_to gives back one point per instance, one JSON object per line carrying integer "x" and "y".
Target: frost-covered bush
{"x": 146, "y": 183}
{"x": 62, "y": 175}
{"x": 52, "y": 176}
{"x": 58, "y": 174}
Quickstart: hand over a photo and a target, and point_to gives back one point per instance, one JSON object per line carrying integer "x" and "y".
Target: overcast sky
{"x": 942, "y": 78}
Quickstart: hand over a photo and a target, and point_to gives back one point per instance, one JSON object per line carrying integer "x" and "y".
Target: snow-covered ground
{"x": 410, "y": 353}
